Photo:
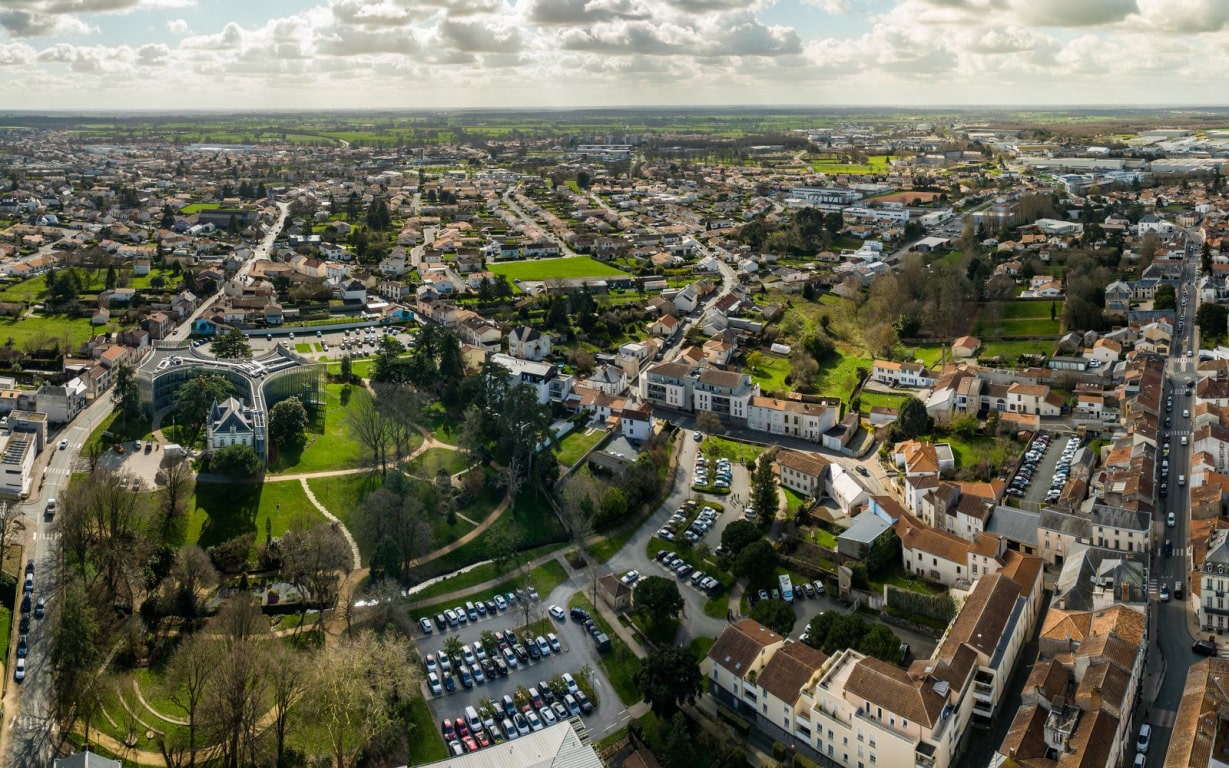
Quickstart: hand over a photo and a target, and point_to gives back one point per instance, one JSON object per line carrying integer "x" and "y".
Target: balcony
{"x": 1215, "y": 611}
{"x": 924, "y": 756}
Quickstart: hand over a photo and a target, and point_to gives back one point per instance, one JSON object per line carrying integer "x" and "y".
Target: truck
{"x": 787, "y": 588}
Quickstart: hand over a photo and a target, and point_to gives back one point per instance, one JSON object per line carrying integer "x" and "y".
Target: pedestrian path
{"x": 345, "y": 532}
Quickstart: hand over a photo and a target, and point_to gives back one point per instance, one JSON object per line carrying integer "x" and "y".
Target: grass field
{"x": 188, "y": 210}
{"x": 576, "y": 442}
{"x": 222, "y": 511}
{"x": 426, "y": 745}
{"x": 1013, "y": 349}
{"x": 329, "y": 444}
{"x": 1020, "y": 310}
{"x": 545, "y": 269}
{"x": 881, "y": 400}
{"x": 771, "y": 373}
{"x": 544, "y": 578}
{"x": 873, "y": 164}
{"x": 427, "y": 464}
{"x": 1019, "y": 318}
{"x": 838, "y": 377}
{"x": 340, "y": 495}
{"x": 930, "y": 354}
{"x": 72, "y": 332}
{"x": 729, "y": 449}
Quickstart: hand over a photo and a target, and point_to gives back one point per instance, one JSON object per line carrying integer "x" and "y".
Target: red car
{"x": 469, "y": 744}
{"x": 483, "y": 739}
{"x": 462, "y": 728}
{"x": 450, "y": 732}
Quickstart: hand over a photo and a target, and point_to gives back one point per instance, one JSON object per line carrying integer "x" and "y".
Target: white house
{"x": 528, "y": 343}
{"x": 231, "y": 423}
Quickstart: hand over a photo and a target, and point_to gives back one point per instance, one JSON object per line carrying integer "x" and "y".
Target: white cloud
{"x": 177, "y": 27}
{"x": 20, "y": 24}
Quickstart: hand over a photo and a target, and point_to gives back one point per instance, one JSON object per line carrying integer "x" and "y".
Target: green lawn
{"x": 134, "y": 430}
{"x": 29, "y": 291}
{"x": 188, "y": 210}
{"x": 730, "y": 449}
{"x": 437, "y": 421}
{"x": 432, "y": 460}
{"x": 771, "y": 373}
{"x": 222, "y": 511}
{"x": 930, "y": 354}
{"x": 1013, "y": 349}
{"x": 71, "y": 332}
{"x": 329, "y": 443}
{"x": 881, "y": 399}
{"x": 303, "y": 348}
{"x": 342, "y": 494}
{"x": 620, "y": 665}
{"x": 6, "y": 626}
{"x": 794, "y": 502}
{"x": 544, "y": 269}
{"x": 838, "y": 377}
{"x": 1020, "y": 310}
{"x": 576, "y": 443}
{"x": 361, "y": 368}
{"x": 544, "y": 578}
{"x": 426, "y": 744}
{"x": 143, "y": 281}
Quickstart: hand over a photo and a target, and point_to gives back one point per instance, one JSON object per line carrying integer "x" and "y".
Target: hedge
{"x": 938, "y": 607}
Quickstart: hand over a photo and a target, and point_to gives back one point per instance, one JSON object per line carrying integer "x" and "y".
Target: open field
{"x": 1013, "y": 349}
{"x": 838, "y": 377}
{"x": 545, "y": 269}
{"x": 771, "y": 373}
{"x": 1019, "y": 318}
{"x": 188, "y": 210}
{"x": 873, "y": 164}
{"x": 72, "y": 332}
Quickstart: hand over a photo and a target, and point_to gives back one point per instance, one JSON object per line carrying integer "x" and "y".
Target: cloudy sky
{"x": 416, "y": 54}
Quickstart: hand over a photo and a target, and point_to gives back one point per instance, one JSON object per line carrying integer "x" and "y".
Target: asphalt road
{"x": 1171, "y": 635}
{"x": 27, "y": 736}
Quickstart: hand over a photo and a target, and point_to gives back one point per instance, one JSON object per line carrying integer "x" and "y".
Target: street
{"x": 1171, "y": 655}
{"x": 26, "y": 740}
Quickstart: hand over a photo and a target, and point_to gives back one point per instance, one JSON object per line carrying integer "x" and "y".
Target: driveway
{"x": 578, "y": 652}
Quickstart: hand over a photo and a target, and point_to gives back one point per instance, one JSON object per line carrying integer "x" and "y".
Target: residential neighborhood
{"x": 872, "y": 442}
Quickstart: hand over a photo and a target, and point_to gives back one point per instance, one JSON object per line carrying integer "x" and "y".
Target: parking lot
{"x": 357, "y": 342}
{"x": 577, "y": 652}
{"x": 1049, "y": 472}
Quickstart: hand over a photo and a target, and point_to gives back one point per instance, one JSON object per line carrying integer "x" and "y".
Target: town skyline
{"x": 394, "y": 54}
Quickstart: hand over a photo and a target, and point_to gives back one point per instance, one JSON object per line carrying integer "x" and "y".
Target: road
{"x": 26, "y": 740}
{"x": 1170, "y": 651}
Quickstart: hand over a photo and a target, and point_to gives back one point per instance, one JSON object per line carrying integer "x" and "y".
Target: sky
{"x": 432, "y": 54}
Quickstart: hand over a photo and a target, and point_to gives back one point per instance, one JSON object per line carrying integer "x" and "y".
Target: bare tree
{"x": 355, "y": 691}
{"x": 8, "y": 520}
{"x": 239, "y": 620}
{"x": 234, "y": 702}
{"x": 709, "y": 423}
{"x": 371, "y": 429}
{"x": 400, "y": 404}
{"x": 288, "y": 676}
{"x": 179, "y": 482}
{"x": 188, "y": 677}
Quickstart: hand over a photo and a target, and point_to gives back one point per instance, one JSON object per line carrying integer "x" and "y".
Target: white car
{"x": 631, "y": 577}
{"x": 535, "y": 722}
{"x": 63, "y": 444}
{"x": 548, "y": 716}
{"x": 557, "y": 613}
{"x": 433, "y": 681}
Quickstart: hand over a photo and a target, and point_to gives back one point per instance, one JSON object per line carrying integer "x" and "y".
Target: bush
{"x": 232, "y": 556}
{"x": 778, "y": 750}
{"x": 804, "y": 762}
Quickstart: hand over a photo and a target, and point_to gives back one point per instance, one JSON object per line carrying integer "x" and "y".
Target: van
{"x": 1178, "y": 590}
{"x": 1181, "y": 479}
{"x": 472, "y": 720}
{"x": 1184, "y": 439}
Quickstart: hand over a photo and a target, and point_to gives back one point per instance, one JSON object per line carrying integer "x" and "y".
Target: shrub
{"x": 778, "y": 750}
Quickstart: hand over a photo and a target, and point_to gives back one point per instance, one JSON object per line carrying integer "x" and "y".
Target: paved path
{"x": 345, "y": 532}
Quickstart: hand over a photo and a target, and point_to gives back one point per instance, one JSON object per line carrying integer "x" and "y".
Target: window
{"x": 879, "y": 712}
{"x": 904, "y": 723}
{"x": 765, "y": 707}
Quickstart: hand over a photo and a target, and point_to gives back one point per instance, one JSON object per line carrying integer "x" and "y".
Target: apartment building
{"x": 808, "y": 421}
{"x": 548, "y": 383}
{"x": 1080, "y": 696}
{"x": 803, "y": 473}
{"x": 1200, "y": 736}
{"x": 1213, "y": 587}
{"x": 725, "y": 393}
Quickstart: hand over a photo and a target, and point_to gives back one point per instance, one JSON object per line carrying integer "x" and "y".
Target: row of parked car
{"x": 699, "y": 527}
{"x": 582, "y": 617}
{"x": 682, "y": 569}
{"x": 474, "y": 610}
{"x": 722, "y": 473}
{"x": 810, "y": 589}
{"x": 478, "y": 663}
{"x": 28, "y": 605}
{"x": 545, "y": 707}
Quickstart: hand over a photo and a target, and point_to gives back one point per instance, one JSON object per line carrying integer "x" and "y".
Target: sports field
{"x": 545, "y": 269}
